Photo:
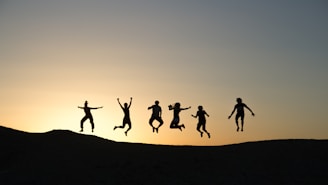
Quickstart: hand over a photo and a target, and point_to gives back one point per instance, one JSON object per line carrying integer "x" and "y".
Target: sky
{"x": 55, "y": 55}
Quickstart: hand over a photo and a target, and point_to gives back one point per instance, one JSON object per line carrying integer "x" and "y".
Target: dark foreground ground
{"x": 62, "y": 157}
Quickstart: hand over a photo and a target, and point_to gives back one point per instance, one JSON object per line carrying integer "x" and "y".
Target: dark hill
{"x": 63, "y": 157}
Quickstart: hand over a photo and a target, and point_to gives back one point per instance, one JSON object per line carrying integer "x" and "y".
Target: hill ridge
{"x": 66, "y": 132}
{"x": 65, "y": 157}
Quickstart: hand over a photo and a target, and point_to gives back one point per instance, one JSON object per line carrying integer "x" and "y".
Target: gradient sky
{"x": 54, "y": 55}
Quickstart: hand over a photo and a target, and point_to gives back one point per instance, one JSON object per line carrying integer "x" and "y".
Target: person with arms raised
{"x": 126, "y": 119}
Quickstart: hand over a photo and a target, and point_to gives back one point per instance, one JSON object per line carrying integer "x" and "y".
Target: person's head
{"x": 200, "y": 107}
{"x": 125, "y": 105}
{"x": 239, "y": 100}
{"x": 177, "y": 105}
{"x": 156, "y": 102}
{"x": 86, "y": 103}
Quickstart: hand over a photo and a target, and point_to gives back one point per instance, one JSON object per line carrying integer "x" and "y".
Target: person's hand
{"x": 229, "y": 117}
{"x": 253, "y": 114}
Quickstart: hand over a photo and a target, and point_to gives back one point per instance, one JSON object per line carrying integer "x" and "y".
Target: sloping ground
{"x": 63, "y": 157}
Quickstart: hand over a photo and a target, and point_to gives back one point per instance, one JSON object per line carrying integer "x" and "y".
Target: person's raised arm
{"x": 130, "y": 102}
{"x": 207, "y": 114}
{"x": 118, "y": 100}
{"x": 80, "y": 107}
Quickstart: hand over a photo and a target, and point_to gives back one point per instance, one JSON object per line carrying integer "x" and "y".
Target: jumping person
{"x": 240, "y": 113}
{"x": 176, "y": 119}
{"x": 156, "y": 115}
{"x": 201, "y": 121}
{"x": 88, "y": 115}
{"x": 126, "y": 119}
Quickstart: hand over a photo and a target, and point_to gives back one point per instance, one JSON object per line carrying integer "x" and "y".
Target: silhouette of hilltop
{"x": 65, "y": 157}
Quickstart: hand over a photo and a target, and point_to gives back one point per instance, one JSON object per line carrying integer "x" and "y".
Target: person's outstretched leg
{"x": 204, "y": 129}
{"x": 92, "y": 124}
{"x": 126, "y": 132}
{"x": 161, "y": 122}
{"x": 151, "y": 123}
{"x": 122, "y": 126}
{"x": 198, "y": 129}
{"x": 181, "y": 126}
{"x": 242, "y": 122}
{"x": 174, "y": 125}
{"x": 237, "y": 125}
{"x": 237, "y": 116}
{"x": 82, "y": 121}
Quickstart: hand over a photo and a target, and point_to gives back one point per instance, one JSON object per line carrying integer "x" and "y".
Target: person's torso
{"x": 201, "y": 115}
{"x": 240, "y": 107}
{"x": 156, "y": 110}
{"x": 87, "y": 111}
{"x": 176, "y": 112}
{"x": 126, "y": 112}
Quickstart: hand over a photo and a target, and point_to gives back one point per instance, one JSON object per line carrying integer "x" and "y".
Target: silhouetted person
{"x": 176, "y": 119}
{"x": 88, "y": 115}
{"x": 126, "y": 119}
{"x": 156, "y": 115}
{"x": 201, "y": 121}
{"x": 240, "y": 113}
